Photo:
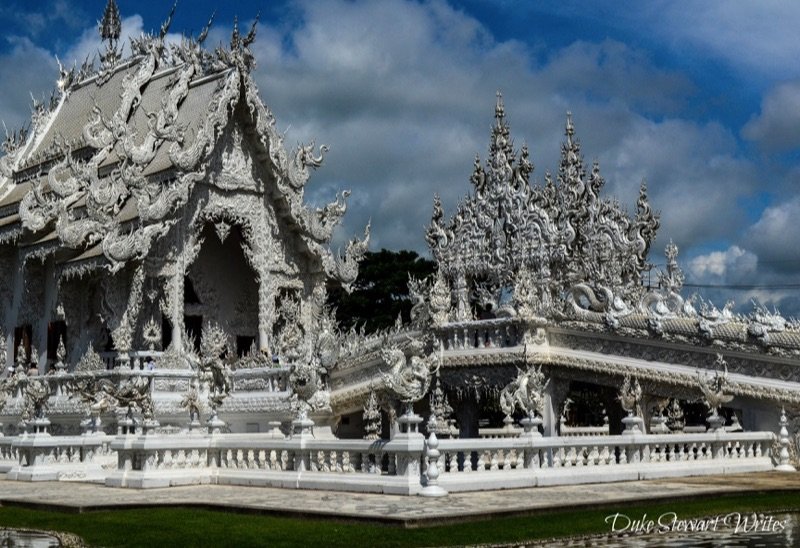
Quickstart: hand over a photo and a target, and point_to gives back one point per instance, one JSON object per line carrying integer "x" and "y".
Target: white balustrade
{"x": 396, "y": 466}
{"x": 47, "y": 458}
{"x": 492, "y": 333}
{"x": 577, "y": 431}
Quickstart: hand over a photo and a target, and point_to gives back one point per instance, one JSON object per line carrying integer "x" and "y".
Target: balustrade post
{"x": 432, "y": 489}
{"x": 783, "y": 439}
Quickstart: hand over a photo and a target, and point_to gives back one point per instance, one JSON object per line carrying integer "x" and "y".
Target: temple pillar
{"x": 12, "y": 316}
{"x": 554, "y": 395}
{"x": 266, "y": 313}
{"x": 176, "y": 314}
{"x": 47, "y": 309}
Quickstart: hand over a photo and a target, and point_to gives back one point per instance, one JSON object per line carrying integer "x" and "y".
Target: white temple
{"x": 164, "y": 321}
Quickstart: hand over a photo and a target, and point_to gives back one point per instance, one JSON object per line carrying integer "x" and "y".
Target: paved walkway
{"x": 399, "y": 510}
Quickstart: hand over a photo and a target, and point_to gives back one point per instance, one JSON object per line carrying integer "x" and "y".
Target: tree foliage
{"x": 381, "y": 291}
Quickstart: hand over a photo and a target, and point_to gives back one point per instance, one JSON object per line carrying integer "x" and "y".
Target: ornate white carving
{"x": 372, "y": 418}
{"x": 36, "y": 400}
{"x": 525, "y": 393}
{"x": 90, "y": 361}
{"x": 409, "y": 379}
{"x": 562, "y": 234}
{"x": 714, "y": 388}
{"x": 630, "y": 396}
{"x": 214, "y": 368}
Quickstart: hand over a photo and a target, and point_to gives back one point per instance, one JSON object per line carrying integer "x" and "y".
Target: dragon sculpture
{"x": 409, "y": 378}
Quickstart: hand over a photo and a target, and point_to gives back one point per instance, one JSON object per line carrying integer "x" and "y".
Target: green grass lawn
{"x": 197, "y": 527}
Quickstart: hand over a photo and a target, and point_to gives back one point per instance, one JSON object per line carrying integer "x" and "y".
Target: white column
{"x": 12, "y": 315}
{"x": 49, "y": 303}
{"x": 268, "y": 284}
{"x": 177, "y": 308}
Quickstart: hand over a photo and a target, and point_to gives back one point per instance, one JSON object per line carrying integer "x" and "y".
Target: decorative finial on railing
{"x": 432, "y": 489}
{"x": 630, "y": 397}
{"x": 714, "y": 391}
{"x": 784, "y": 464}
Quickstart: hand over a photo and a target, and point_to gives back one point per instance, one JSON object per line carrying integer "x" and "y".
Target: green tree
{"x": 380, "y": 292}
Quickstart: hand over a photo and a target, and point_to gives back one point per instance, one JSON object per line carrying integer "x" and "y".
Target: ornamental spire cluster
{"x": 563, "y": 233}
{"x": 110, "y": 27}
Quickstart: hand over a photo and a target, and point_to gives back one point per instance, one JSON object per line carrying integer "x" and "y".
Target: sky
{"x": 699, "y": 98}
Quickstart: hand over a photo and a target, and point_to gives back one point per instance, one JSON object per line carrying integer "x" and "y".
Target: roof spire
{"x": 204, "y": 32}
{"x": 165, "y": 25}
{"x": 235, "y": 37}
{"x": 110, "y": 27}
{"x": 570, "y": 129}
{"x": 499, "y": 109}
{"x": 251, "y": 36}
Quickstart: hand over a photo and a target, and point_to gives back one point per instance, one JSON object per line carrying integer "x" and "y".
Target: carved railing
{"x": 396, "y": 466}
{"x": 528, "y": 461}
{"x": 271, "y": 380}
{"x": 241, "y": 459}
{"x": 576, "y": 431}
{"x": 335, "y": 456}
{"x": 494, "y": 333}
{"x": 9, "y": 454}
{"x": 46, "y": 458}
{"x": 135, "y": 359}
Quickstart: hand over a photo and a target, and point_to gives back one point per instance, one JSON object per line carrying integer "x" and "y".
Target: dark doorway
{"x": 55, "y": 332}
{"x": 243, "y": 344}
{"x": 166, "y": 333}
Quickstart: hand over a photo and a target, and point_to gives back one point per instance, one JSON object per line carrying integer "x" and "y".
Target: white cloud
{"x": 775, "y": 237}
{"x": 731, "y": 264}
{"x": 404, "y": 93}
{"x": 754, "y": 37}
{"x": 27, "y": 70}
{"x": 777, "y": 126}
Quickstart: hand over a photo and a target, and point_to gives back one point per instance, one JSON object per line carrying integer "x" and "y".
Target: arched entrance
{"x": 221, "y": 287}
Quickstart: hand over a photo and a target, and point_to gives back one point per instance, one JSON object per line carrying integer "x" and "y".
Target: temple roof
{"x": 115, "y": 156}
